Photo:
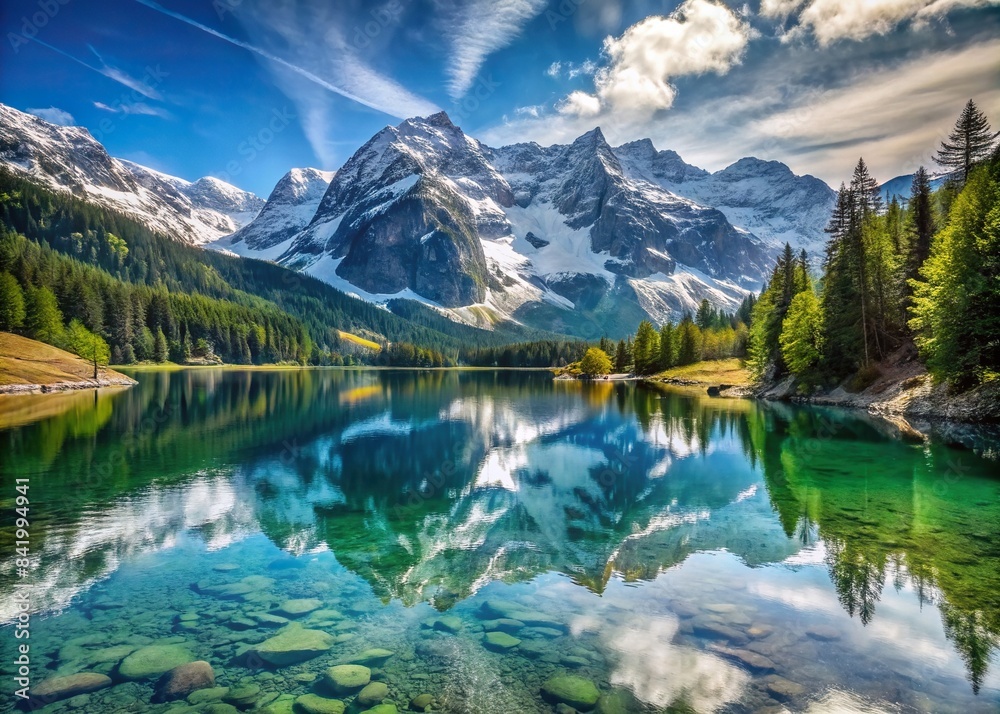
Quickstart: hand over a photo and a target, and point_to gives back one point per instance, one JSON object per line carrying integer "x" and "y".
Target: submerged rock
{"x": 372, "y": 694}
{"x": 374, "y": 657}
{"x": 420, "y": 702}
{"x": 293, "y": 644}
{"x": 570, "y": 689}
{"x": 201, "y": 696}
{"x": 448, "y": 623}
{"x": 500, "y": 641}
{"x": 315, "y": 704}
{"x": 824, "y": 633}
{"x": 347, "y": 678}
{"x": 298, "y": 607}
{"x": 184, "y": 679}
{"x": 154, "y": 660}
{"x": 70, "y": 686}
{"x": 243, "y": 697}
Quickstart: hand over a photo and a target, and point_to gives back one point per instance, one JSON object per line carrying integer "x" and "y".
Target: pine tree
{"x": 956, "y": 304}
{"x": 970, "y": 142}
{"x": 621, "y": 358}
{"x": 921, "y": 223}
{"x": 12, "y": 310}
{"x": 689, "y": 342}
{"x": 160, "y": 351}
{"x": 802, "y": 333}
{"x": 43, "y": 319}
{"x": 645, "y": 351}
{"x": 667, "y": 347}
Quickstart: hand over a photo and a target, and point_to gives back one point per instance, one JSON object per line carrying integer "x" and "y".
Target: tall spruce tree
{"x": 920, "y": 225}
{"x": 970, "y": 142}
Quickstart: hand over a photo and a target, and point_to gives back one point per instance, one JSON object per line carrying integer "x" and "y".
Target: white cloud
{"x": 894, "y": 117}
{"x": 699, "y": 37}
{"x": 53, "y": 115}
{"x": 587, "y": 68}
{"x": 478, "y": 29}
{"x": 832, "y": 20}
{"x": 534, "y": 111}
{"x": 142, "y": 86}
{"x": 554, "y": 70}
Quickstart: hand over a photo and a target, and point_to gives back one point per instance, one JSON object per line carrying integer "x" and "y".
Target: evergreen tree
{"x": 920, "y": 226}
{"x": 621, "y": 358}
{"x": 12, "y": 310}
{"x": 689, "y": 342}
{"x": 970, "y": 142}
{"x": 956, "y": 304}
{"x": 43, "y": 319}
{"x": 645, "y": 352}
{"x": 160, "y": 352}
{"x": 802, "y": 333}
{"x": 667, "y": 358}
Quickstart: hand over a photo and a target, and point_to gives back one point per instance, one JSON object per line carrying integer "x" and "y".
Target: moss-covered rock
{"x": 570, "y": 689}
{"x": 154, "y": 660}
{"x": 347, "y": 678}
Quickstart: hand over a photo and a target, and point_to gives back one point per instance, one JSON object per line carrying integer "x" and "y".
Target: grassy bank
{"x": 28, "y": 365}
{"x": 709, "y": 373}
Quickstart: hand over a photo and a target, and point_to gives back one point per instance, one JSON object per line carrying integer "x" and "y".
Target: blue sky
{"x": 246, "y": 89}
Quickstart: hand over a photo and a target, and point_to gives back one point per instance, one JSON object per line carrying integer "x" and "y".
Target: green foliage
{"x": 12, "y": 309}
{"x": 595, "y": 362}
{"x": 622, "y": 357}
{"x": 956, "y": 305}
{"x": 802, "y": 333}
{"x": 542, "y": 353}
{"x": 970, "y": 142}
{"x": 43, "y": 319}
{"x": 86, "y": 344}
{"x": 668, "y": 351}
{"x": 646, "y": 349}
{"x": 689, "y": 341}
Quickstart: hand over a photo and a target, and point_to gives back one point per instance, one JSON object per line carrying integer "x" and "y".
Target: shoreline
{"x": 120, "y": 380}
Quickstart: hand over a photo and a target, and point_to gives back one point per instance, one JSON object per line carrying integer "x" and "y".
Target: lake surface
{"x": 493, "y": 530}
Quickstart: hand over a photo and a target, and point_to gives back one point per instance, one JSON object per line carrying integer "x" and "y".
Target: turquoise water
{"x": 493, "y": 531}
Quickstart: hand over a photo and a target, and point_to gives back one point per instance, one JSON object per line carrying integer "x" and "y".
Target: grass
{"x": 710, "y": 372}
{"x": 360, "y": 341}
{"x": 24, "y": 361}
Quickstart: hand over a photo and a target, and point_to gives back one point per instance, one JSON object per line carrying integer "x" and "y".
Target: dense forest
{"x": 926, "y": 272}
{"x": 87, "y": 278}
{"x": 708, "y": 334}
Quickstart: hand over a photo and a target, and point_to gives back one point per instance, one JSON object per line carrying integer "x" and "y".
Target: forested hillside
{"x": 927, "y": 272}
{"x": 64, "y": 262}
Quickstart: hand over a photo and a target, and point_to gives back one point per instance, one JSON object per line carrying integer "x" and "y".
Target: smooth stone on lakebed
{"x": 298, "y": 607}
{"x": 372, "y": 694}
{"x": 448, "y": 623}
{"x": 70, "y": 685}
{"x": 783, "y": 688}
{"x": 315, "y": 704}
{"x": 570, "y": 689}
{"x": 500, "y": 641}
{"x": 154, "y": 660}
{"x": 503, "y": 624}
{"x": 382, "y": 709}
{"x": 347, "y": 678}
{"x": 184, "y": 679}
{"x": 201, "y": 696}
{"x": 373, "y": 656}
{"x": 244, "y": 696}
{"x": 293, "y": 644}
{"x": 420, "y": 702}
{"x": 752, "y": 660}
{"x": 504, "y": 609}
{"x": 824, "y": 633}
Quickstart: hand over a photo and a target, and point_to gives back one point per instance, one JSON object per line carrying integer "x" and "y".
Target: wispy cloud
{"x": 53, "y": 115}
{"x": 479, "y": 28}
{"x": 139, "y": 108}
{"x": 356, "y": 81}
{"x": 833, "y": 20}
{"x": 141, "y": 86}
{"x": 587, "y": 68}
{"x": 699, "y": 37}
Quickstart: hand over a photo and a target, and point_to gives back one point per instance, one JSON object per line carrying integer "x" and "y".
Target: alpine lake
{"x": 350, "y": 540}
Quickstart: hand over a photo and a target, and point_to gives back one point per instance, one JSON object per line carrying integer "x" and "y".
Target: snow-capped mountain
{"x": 289, "y": 209}
{"x": 901, "y": 187}
{"x": 763, "y": 197}
{"x": 566, "y": 237}
{"x": 69, "y": 159}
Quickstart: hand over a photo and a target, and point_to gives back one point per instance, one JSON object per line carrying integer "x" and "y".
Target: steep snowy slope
{"x": 763, "y": 197}
{"x": 557, "y": 237}
{"x": 289, "y": 209}
{"x": 69, "y": 159}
